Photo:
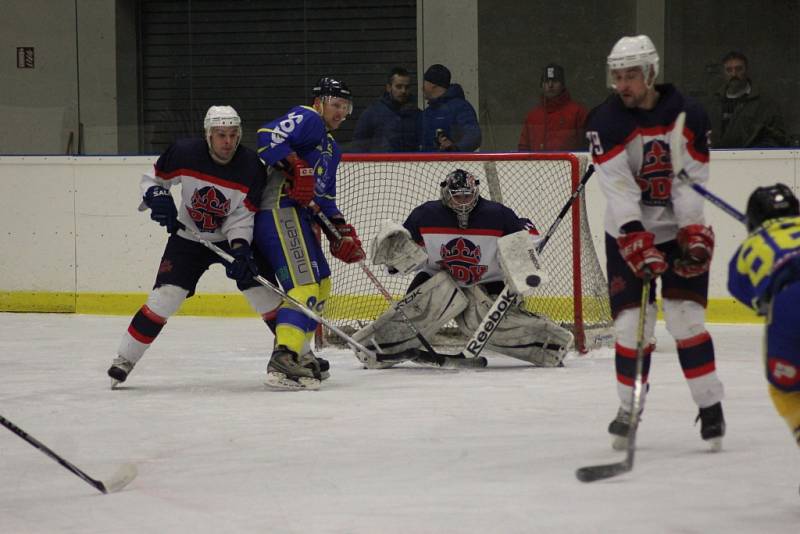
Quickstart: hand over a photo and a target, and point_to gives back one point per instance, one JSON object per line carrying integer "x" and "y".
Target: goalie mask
{"x": 221, "y": 117}
{"x": 460, "y": 194}
{"x": 770, "y": 202}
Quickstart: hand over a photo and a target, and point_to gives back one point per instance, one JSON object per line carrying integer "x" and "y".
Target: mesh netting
{"x": 369, "y": 192}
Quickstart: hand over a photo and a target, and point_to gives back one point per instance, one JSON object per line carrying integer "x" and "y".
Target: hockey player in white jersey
{"x": 452, "y": 243}
{"x": 654, "y": 223}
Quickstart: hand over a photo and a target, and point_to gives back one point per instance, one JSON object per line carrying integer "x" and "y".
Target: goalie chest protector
{"x": 468, "y": 254}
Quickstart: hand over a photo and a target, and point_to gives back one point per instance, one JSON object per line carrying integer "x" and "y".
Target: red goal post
{"x": 376, "y": 187}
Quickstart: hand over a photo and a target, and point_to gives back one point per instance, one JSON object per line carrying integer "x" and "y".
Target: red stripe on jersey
{"x": 203, "y": 177}
{"x": 138, "y": 336}
{"x": 467, "y": 231}
{"x": 153, "y": 316}
{"x": 626, "y": 352}
{"x": 249, "y": 205}
{"x": 703, "y": 370}
{"x": 693, "y": 152}
{"x": 613, "y": 151}
{"x": 690, "y": 342}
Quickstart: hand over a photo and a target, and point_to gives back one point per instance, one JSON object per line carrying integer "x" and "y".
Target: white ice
{"x": 404, "y": 450}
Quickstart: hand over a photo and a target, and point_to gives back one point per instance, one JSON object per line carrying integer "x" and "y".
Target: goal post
{"x": 376, "y": 187}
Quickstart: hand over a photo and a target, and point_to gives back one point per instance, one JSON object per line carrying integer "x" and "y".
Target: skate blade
{"x": 619, "y": 443}
{"x": 715, "y": 444}
{"x": 124, "y": 476}
{"x": 115, "y": 383}
{"x": 280, "y": 381}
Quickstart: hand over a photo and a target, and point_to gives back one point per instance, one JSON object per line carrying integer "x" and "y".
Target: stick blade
{"x": 124, "y": 476}
{"x": 599, "y": 472}
{"x": 676, "y": 144}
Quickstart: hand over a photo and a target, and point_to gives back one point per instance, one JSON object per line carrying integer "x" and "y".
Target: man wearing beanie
{"x": 557, "y": 122}
{"x": 449, "y": 122}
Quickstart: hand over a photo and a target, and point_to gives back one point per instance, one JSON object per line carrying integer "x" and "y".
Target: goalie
{"x": 463, "y": 260}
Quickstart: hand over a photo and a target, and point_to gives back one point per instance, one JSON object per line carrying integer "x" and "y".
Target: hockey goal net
{"x": 376, "y": 187}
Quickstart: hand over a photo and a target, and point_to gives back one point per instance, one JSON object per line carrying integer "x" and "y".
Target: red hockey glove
{"x": 639, "y": 252}
{"x": 348, "y": 247}
{"x": 301, "y": 182}
{"x": 697, "y": 247}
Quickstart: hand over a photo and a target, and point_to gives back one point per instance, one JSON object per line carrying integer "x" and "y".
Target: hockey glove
{"x": 243, "y": 266}
{"x": 639, "y": 252}
{"x": 697, "y": 247}
{"x": 162, "y": 207}
{"x": 348, "y": 247}
{"x": 302, "y": 181}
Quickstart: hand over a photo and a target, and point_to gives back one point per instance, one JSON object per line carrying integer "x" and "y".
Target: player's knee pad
{"x": 165, "y": 300}
{"x": 264, "y": 301}
{"x": 428, "y": 306}
{"x": 685, "y": 318}
{"x": 626, "y": 325}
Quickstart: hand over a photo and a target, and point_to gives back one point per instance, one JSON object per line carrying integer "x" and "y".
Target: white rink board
{"x": 55, "y": 207}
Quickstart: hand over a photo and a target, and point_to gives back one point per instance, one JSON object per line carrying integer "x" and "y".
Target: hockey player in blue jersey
{"x": 221, "y": 183}
{"x": 764, "y": 274}
{"x": 303, "y": 157}
{"x": 655, "y": 223}
{"x": 453, "y": 244}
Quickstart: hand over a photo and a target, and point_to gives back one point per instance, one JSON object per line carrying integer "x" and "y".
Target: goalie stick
{"x": 124, "y": 475}
{"x": 507, "y": 298}
{"x": 597, "y": 472}
{"x": 430, "y": 356}
{"x": 676, "y": 157}
{"x": 362, "y": 353}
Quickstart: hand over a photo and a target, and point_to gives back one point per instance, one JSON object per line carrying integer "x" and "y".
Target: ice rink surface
{"x": 404, "y": 450}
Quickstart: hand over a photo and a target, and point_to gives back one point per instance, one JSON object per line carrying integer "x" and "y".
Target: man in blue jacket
{"x": 392, "y": 123}
{"x": 449, "y": 122}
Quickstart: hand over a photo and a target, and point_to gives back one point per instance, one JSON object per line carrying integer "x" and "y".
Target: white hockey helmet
{"x": 637, "y": 51}
{"x": 221, "y": 117}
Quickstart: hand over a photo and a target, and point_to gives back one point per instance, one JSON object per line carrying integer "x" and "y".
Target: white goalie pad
{"x": 520, "y": 262}
{"x": 521, "y": 334}
{"x": 429, "y": 307}
{"x": 394, "y": 248}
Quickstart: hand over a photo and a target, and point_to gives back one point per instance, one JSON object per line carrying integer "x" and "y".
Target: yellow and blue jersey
{"x": 303, "y": 132}
{"x": 767, "y": 261}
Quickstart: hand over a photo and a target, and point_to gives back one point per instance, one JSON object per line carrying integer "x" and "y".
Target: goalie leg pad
{"x": 429, "y": 307}
{"x": 521, "y": 334}
{"x": 394, "y": 248}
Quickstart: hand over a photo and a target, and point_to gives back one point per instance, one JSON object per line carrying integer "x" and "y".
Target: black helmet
{"x": 460, "y": 194}
{"x": 327, "y": 86}
{"x": 770, "y": 202}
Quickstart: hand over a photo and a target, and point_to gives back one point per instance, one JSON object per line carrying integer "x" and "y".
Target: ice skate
{"x": 288, "y": 371}
{"x": 712, "y": 425}
{"x": 119, "y": 371}
{"x": 324, "y": 366}
{"x": 619, "y": 429}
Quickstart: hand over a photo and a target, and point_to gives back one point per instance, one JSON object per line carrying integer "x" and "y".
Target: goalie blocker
{"x": 519, "y": 334}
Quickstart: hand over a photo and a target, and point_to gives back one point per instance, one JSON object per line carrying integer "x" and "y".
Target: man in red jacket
{"x": 557, "y": 123}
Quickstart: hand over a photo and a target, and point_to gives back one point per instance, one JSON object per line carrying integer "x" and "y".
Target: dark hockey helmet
{"x": 327, "y": 88}
{"x": 770, "y": 202}
{"x": 460, "y": 193}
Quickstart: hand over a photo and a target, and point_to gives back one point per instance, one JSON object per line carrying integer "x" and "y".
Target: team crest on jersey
{"x": 655, "y": 177}
{"x": 208, "y": 208}
{"x": 462, "y": 259}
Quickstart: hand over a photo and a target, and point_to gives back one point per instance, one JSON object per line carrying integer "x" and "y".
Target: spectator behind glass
{"x": 390, "y": 124}
{"x": 449, "y": 122}
{"x": 741, "y": 116}
{"x": 557, "y": 123}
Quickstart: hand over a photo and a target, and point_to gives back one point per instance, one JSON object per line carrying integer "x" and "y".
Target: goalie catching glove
{"x": 394, "y": 248}
{"x": 347, "y": 246}
{"x": 640, "y": 253}
{"x": 697, "y": 247}
{"x": 301, "y": 180}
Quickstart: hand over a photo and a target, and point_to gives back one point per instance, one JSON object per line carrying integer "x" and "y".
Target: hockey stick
{"x": 431, "y": 356}
{"x": 598, "y": 472}
{"x": 124, "y": 475}
{"x": 676, "y": 156}
{"x": 361, "y": 352}
{"x": 507, "y": 298}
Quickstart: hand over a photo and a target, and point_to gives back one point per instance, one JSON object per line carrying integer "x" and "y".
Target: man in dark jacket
{"x": 392, "y": 123}
{"x": 449, "y": 122}
{"x": 741, "y": 116}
